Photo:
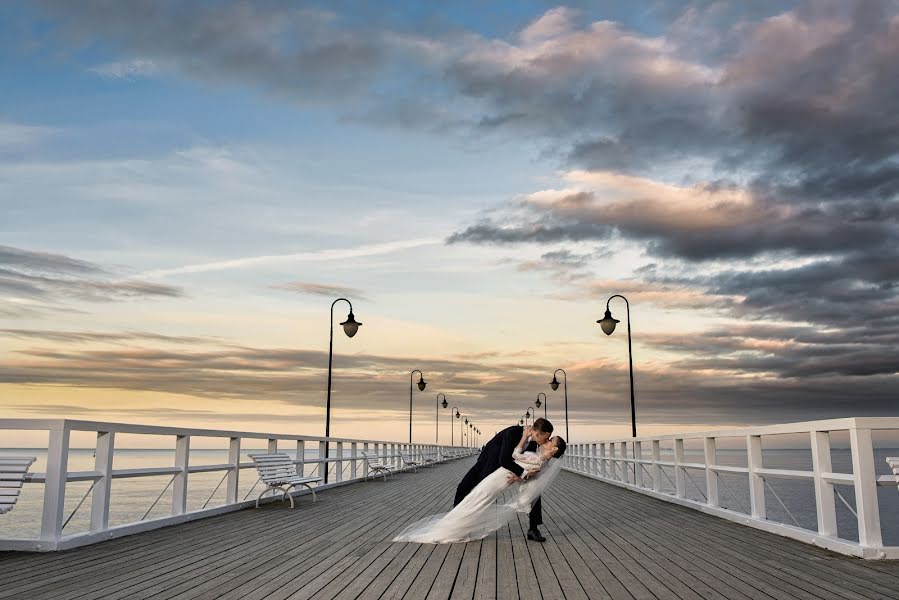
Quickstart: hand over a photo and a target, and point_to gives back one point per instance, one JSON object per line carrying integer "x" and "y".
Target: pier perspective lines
{"x": 603, "y": 541}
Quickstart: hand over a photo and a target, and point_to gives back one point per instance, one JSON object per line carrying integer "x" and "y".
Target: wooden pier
{"x": 603, "y": 542}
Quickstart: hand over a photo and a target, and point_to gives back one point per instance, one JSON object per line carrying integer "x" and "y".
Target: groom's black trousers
{"x": 475, "y": 476}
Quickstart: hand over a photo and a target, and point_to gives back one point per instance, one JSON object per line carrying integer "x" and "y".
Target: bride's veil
{"x": 481, "y": 523}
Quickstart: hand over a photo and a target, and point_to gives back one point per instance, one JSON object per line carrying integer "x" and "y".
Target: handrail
{"x": 343, "y": 463}
{"x": 608, "y": 460}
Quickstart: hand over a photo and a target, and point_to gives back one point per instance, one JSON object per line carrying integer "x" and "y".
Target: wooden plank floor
{"x": 603, "y": 542}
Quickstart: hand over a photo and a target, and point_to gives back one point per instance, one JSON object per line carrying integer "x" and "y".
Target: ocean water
{"x": 132, "y": 498}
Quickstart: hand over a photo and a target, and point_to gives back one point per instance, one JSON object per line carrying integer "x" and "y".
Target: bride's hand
{"x": 533, "y": 471}
{"x": 512, "y": 478}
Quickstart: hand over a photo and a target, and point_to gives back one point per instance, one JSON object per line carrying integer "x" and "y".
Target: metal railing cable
{"x": 784, "y": 506}
{"x": 840, "y": 496}
{"x": 164, "y": 490}
{"x": 209, "y": 499}
{"x": 733, "y": 495}
{"x": 690, "y": 477}
{"x": 83, "y": 498}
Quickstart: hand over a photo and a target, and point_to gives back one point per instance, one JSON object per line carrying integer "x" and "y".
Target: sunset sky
{"x": 186, "y": 186}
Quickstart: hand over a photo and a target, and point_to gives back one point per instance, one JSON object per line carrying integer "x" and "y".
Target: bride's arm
{"x": 531, "y": 459}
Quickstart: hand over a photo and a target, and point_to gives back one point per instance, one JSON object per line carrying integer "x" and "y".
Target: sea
{"x": 132, "y": 499}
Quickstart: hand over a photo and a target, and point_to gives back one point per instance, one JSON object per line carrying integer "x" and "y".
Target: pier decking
{"x": 603, "y": 542}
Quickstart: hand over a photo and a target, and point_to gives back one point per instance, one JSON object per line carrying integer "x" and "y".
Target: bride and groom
{"x": 512, "y": 471}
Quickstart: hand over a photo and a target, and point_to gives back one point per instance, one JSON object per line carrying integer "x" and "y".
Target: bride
{"x": 495, "y": 501}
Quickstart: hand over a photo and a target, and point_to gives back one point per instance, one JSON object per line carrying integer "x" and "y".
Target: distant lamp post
{"x": 554, "y": 384}
{"x": 538, "y": 403}
{"x": 350, "y": 327}
{"x": 608, "y": 326}
{"x": 422, "y": 384}
{"x": 464, "y": 426}
{"x": 453, "y": 413}
{"x": 437, "y": 418}
{"x": 470, "y": 431}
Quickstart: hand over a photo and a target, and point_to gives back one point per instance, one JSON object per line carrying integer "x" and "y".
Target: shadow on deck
{"x": 603, "y": 542}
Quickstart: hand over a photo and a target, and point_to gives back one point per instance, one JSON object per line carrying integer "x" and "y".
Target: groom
{"x": 498, "y": 453}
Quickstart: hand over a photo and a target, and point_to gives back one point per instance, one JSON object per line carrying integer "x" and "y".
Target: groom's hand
{"x": 533, "y": 471}
{"x": 512, "y": 478}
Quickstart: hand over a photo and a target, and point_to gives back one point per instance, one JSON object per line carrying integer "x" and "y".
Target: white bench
{"x": 375, "y": 466}
{"x": 893, "y": 461}
{"x": 279, "y": 472}
{"x": 409, "y": 462}
{"x": 427, "y": 460}
{"x": 12, "y": 475}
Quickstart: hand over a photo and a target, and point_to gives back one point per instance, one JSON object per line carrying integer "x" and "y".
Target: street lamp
{"x": 470, "y": 430}
{"x": 436, "y": 418}
{"x": 422, "y": 384}
{"x": 554, "y": 384}
{"x": 608, "y": 326}
{"x": 537, "y": 403}
{"x": 350, "y": 327}
{"x": 458, "y": 415}
{"x": 464, "y": 427}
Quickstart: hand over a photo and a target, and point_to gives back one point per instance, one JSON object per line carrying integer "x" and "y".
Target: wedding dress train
{"x": 488, "y": 507}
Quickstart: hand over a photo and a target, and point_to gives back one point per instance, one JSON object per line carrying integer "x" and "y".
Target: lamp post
{"x": 470, "y": 431}
{"x": 350, "y": 327}
{"x": 464, "y": 430}
{"x": 537, "y": 403}
{"x": 422, "y": 384}
{"x": 554, "y": 384}
{"x": 608, "y": 326}
{"x": 453, "y": 413}
{"x": 437, "y": 418}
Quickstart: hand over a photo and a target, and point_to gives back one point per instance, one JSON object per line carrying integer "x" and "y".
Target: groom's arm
{"x": 510, "y": 442}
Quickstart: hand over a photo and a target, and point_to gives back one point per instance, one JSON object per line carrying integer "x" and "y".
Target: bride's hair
{"x": 561, "y": 445}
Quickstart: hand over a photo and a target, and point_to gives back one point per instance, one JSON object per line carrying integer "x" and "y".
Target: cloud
{"x": 16, "y": 135}
{"x": 321, "y": 289}
{"x": 312, "y": 256}
{"x": 128, "y": 69}
{"x": 33, "y": 280}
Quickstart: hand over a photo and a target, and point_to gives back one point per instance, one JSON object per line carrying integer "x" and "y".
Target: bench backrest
{"x": 893, "y": 461}
{"x": 12, "y": 475}
{"x": 274, "y": 467}
{"x": 371, "y": 459}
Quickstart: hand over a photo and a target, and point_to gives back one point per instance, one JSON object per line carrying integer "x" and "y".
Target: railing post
{"x": 710, "y": 450}
{"x": 234, "y": 473}
{"x": 272, "y": 446}
{"x": 603, "y": 467}
{"x": 365, "y": 462}
{"x": 354, "y": 452}
{"x": 865, "y": 480}
{"x": 100, "y": 495}
{"x": 680, "y": 482}
{"x": 638, "y": 469}
{"x": 594, "y": 465}
{"x": 656, "y": 467}
{"x": 55, "y": 486}
{"x": 338, "y": 470}
{"x": 301, "y": 457}
{"x": 613, "y": 462}
{"x": 179, "y": 489}
{"x": 756, "y": 482}
{"x": 825, "y": 503}
{"x": 322, "y": 463}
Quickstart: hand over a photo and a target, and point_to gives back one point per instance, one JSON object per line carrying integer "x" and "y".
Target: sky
{"x": 186, "y": 188}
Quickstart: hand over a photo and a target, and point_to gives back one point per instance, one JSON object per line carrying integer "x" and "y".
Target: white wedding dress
{"x": 488, "y": 507}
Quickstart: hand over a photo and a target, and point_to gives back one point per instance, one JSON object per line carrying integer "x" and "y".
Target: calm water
{"x": 131, "y": 498}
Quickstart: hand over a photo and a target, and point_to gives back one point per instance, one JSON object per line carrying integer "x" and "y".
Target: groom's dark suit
{"x": 495, "y": 454}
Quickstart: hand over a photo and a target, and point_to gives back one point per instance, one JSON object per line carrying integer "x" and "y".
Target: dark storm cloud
{"x": 47, "y": 281}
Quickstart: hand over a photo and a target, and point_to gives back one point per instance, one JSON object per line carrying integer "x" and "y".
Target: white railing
{"x": 344, "y": 464}
{"x": 624, "y": 462}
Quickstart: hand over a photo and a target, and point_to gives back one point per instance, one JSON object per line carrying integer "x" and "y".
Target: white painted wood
{"x": 55, "y": 486}
{"x": 825, "y": 502}
{"x": 103, "y": 455}
{"x": 338, "y": 471}
{"x": 179, "y": 486}
{"x": 301, "y": 457}
{"x": 756, "y": 482}
{"x": 354, "y": 453}
{"x": 680, "y": 475}
{"x": 656, "y": 468}
{"x": 638, "y": 458}
{"x": 866, "y": 504}
{"x": 710, "y": 451}
{"x": 233, "y": 484}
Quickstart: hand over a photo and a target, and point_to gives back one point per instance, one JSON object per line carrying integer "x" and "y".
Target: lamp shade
{"x": 521, "y": 421}
{"x": 445, "y": 404}
{"x": 538, "y": 403}
{"x": 608, "y": 323}
{"x": 351, "y": 325}
{"x": 554, "y": 384}
{"x": 422, "y": 384}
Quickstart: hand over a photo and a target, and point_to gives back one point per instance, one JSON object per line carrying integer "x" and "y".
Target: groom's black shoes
{"x": 535, "y": 536}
